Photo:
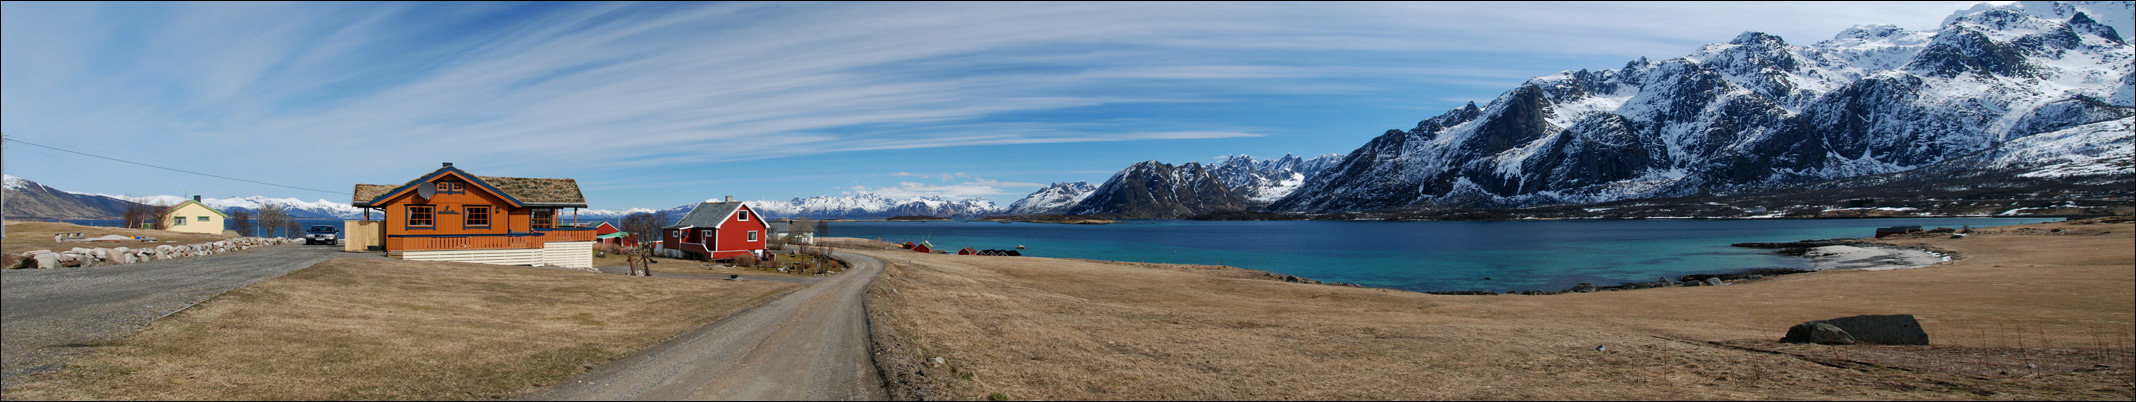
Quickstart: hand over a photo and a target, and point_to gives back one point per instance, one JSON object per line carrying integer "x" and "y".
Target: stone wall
{"x": 90, "y": 257}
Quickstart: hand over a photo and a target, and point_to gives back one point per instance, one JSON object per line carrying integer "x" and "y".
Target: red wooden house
{"x": 607, "y": 233}
{"x": 716, "y": 230}
{"x": 450, "y": 215}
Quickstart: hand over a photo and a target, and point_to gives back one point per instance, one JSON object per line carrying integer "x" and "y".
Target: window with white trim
{"x": 752, "y": 235}
{"x": 744, "y": 214}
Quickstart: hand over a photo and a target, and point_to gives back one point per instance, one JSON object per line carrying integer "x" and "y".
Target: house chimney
{"x": 730, "y": 198}
{"x": 448, "y": 164}
{"x": 196, "y": 198}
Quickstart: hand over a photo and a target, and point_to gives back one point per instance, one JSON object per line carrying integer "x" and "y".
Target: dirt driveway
{"x": 51, "y": 313}
{"x": 811, "y": 344}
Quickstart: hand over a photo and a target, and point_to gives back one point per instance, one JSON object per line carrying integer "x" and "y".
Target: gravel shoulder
{"x": 52, "y": 314}
{"x": 811, "y": 344}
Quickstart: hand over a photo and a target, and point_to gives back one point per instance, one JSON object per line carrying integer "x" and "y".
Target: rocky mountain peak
{"x": 1754, "y": 38}
{"x": 1871, "y": 32}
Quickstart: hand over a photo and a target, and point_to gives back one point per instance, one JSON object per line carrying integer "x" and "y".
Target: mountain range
{"x": 1759, "y": 113}
{"x": 2036, "y": 89}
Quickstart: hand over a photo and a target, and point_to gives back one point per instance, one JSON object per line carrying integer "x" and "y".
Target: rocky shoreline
{"x": 1824, "y": 255}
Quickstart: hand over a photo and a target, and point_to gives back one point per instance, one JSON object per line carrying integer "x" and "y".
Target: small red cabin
{"x": 607, "y": 233}
{"x": 716, "y": 230}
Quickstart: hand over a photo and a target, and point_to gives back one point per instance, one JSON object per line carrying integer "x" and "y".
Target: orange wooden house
{"x": 450, "y": 215}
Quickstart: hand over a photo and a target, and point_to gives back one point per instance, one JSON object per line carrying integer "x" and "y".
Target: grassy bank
{"x": 1038, "y": 328}
{"x": 365, "y": 328}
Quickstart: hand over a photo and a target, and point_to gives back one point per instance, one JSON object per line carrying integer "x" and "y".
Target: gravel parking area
{"x": 52, "y": 313}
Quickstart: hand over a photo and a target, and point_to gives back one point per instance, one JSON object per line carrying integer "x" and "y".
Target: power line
{"x": 164, "y": 168}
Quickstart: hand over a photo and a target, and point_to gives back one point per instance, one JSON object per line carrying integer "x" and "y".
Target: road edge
{"x": 903, "y": 378}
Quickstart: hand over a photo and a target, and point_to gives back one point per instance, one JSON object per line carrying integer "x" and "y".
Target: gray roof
{"x": 707, "y": 214}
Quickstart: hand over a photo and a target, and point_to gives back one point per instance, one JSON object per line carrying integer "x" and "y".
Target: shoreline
{"x": 1063, "y": 328}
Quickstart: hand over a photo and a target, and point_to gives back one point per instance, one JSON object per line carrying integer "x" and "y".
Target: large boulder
{"x": 1899, "y": 329}
{"x": 1826, "y": 334}
{"x": 46, "y": 260}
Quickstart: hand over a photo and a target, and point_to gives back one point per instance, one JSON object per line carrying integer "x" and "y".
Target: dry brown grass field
{"x": 367, "y": 328}
{"x": 1049, "y": 329}
{"x": 26, "y": 236}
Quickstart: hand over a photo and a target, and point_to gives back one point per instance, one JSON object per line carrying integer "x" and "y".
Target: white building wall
{"x": 573, "y": 254}
{"x": 500, "y": 257}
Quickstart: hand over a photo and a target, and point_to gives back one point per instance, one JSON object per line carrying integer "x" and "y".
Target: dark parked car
{"x": 321, "y": 234}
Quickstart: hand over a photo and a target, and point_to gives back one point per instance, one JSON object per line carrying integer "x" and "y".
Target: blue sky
{"x": 662, "y": 104}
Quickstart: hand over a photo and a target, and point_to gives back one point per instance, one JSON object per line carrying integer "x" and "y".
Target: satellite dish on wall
{"x": 426, "y": 190}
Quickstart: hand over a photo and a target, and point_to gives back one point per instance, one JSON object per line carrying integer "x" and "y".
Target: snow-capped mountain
{"x": 297, "y": 207}
{"x": 872, "y": 206}
{"x": 1268, "y": 180}
{"x": 1757, "y": 112}
{"x": 851, "y": 206}
{"x": 1053, "y": 199}
{"x": 27, "y": 199}
{"x": 1157, "y": 190}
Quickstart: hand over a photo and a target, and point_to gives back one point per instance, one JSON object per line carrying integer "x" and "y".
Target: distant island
{"x": 917, "y": 218}
{"x": 1077, "y": 220}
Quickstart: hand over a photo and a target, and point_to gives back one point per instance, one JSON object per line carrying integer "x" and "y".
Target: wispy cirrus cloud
{"x": 640, "y": 93}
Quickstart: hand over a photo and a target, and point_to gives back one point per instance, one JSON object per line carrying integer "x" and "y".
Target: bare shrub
{"x": 273, "y": 216}
{"x": 139, "y": 216}
{"x": 645, "y": 226}
{"x": 241, "y": 221}
{"x": 746, "y": 260}
{"x": 608, "y": 248}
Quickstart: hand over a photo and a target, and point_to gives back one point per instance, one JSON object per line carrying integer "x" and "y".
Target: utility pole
{"x": 3, "y": 192}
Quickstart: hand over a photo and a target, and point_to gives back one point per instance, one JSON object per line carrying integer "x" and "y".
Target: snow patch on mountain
{"x": 2106, "y": 147}
{"x": 11, "y": 182}
{"x": 1052, "y": 199}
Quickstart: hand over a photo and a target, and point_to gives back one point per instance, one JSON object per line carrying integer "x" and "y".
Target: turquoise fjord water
{"x": 1419, "y": 256}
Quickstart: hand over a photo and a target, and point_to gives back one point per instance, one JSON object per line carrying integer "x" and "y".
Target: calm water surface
{"x": 1421, "y": 256}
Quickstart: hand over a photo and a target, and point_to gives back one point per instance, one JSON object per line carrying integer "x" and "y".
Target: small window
{"x": 745, "y": 215}
{"x": 752, "y": 235}
{"x": 420, "y": 215}
{"x": 455, "y": 186}
{"x": 544, "y": 218}
{"x": 444, "y": 187}
{"x": 180, "y": 221}
{"x": 203, "y": 219}
{"x": 478, "y": 216}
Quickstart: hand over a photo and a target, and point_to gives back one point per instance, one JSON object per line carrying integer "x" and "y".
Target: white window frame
{"x": 744, "y": 215}
{"x": 752, "y": 235}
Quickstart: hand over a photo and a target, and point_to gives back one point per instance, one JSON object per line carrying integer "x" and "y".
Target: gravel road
{"x": 811, "y": 344}
{"x": 50, "y": 314}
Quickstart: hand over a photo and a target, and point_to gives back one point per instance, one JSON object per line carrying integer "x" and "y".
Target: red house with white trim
{"x": 605, "y": 233}
{"x": 716, "y": 230}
